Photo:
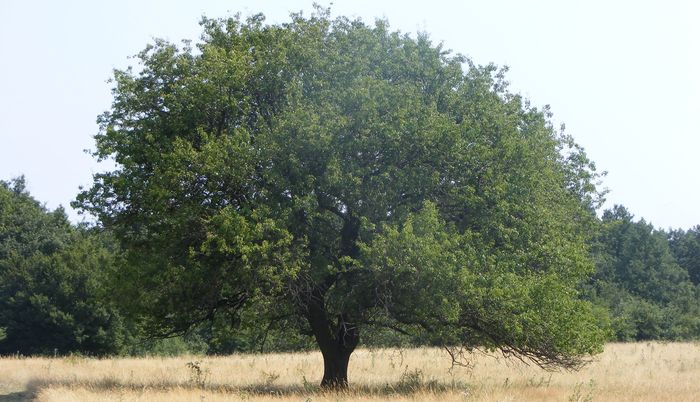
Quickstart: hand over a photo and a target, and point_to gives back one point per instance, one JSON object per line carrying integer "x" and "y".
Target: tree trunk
{"x": 337, "y": 341}
{"x": 335, "y": 369}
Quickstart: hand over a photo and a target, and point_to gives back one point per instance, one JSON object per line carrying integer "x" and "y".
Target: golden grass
{"x": 624, "y": 372}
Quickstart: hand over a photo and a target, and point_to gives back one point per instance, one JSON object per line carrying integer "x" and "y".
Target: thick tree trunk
{"x": 335, "y": 369}
{"x": 337, "y": 341}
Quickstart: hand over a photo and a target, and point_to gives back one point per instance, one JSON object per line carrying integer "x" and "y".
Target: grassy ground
{"x": 624, "y": 372}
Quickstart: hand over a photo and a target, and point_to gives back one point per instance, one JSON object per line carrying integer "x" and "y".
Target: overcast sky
{"x": 622, "y": 75}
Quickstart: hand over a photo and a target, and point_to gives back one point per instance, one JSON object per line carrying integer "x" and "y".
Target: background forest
{"x": 56, "y": 282}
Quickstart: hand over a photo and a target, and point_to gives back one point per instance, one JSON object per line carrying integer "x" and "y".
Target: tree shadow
{"x": 18, "y": 396}
{"x": 404, "y": 386}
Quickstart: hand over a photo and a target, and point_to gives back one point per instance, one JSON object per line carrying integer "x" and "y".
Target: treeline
{"x": 57, "y": 283}
{"x": 53, "y": 277}
{"x": 646, "y": 278}
{"x": 57, "y": 293}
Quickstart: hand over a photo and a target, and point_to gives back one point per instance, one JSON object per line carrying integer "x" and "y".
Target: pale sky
{"x": 624, "y": 76}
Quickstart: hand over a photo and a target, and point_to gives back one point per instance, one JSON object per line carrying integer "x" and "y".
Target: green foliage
{"x": 167, "y": 347}
{"x": 685, "y": 247}
{"x": 432, "y": 278}
{"x": 51, "y": 275}
{"x": 327, "y": 176}
{"x": 648, "y": 294}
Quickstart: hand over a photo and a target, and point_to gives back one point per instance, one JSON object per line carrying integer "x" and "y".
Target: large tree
{"x": 325, "y": 176}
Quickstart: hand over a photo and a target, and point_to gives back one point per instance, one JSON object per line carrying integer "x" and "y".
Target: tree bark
{"x": 335, "y": 369}
{"x": 336, "y": 341}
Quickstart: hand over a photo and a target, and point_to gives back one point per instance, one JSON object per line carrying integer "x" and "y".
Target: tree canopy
{"x": 329, "y": 176}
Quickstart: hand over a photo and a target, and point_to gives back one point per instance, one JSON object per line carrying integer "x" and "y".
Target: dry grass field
{"x": 624, "y": 372}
